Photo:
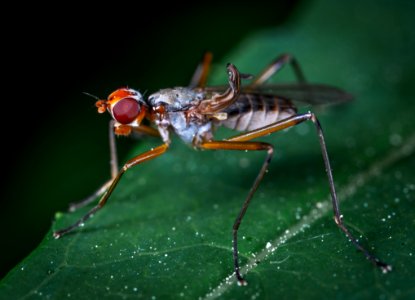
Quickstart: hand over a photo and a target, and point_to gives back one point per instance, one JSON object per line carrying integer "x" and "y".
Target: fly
{"x": 257, "y": 109}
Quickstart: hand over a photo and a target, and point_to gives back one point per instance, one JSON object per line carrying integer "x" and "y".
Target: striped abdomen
{"x": 252, "y": 111}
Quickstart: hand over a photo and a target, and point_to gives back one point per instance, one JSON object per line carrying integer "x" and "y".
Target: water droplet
{"x": 268, "y": 245}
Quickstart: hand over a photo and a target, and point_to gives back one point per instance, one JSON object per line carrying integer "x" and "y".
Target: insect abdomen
{"x": 252, "y": 111}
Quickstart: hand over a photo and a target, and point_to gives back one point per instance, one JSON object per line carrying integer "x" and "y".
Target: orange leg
{"x": 201, "y": 73}
{"x": 113, "y": 163}
{"x": 241, "y": 142}
{"x": 276, "y": 65}
{"x": 135, "y": 161}
{"x": 114, "y": 170}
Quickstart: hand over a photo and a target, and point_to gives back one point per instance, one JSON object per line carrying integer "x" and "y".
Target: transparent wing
{"x": 314, "y": 94}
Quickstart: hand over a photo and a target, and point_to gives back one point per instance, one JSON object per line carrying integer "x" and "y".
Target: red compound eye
{"x": 126, "y": 110}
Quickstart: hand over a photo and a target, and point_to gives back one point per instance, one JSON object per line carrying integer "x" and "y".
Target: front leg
{"x": 153, "y": 153}
{"x": 114, "y": 170}
{"x": 119, "y": 130}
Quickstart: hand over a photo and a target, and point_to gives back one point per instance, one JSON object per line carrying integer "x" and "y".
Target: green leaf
{"x": 166, "y": 231}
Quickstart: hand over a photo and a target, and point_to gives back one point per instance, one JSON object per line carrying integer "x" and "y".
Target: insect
{"x": 257, "y": 109}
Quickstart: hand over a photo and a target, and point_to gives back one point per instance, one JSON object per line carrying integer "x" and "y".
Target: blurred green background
{"x": 54, "y": 129}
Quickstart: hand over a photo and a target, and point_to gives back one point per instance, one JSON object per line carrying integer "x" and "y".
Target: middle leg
{"x": 245, "y": 146}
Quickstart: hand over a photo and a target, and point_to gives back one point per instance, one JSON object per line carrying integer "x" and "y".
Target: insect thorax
{"x": 178, "y": 104}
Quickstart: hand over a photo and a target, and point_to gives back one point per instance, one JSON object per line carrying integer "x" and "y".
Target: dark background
{"x": 50, "y": 128}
